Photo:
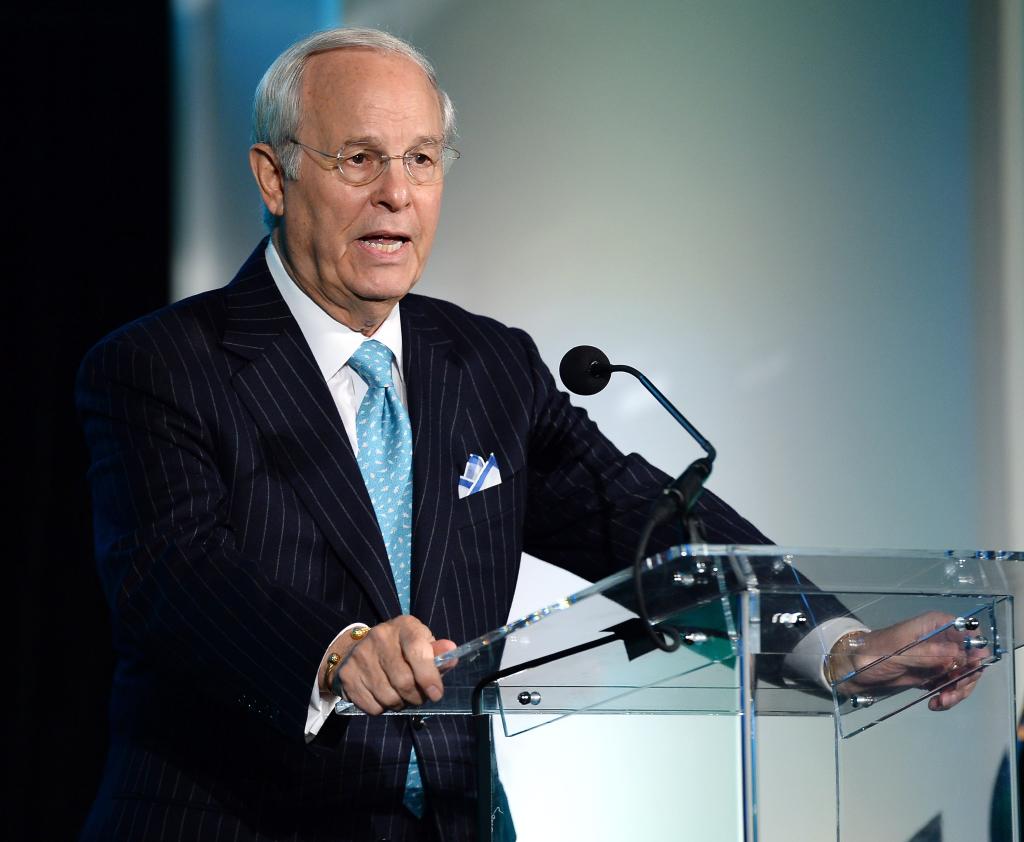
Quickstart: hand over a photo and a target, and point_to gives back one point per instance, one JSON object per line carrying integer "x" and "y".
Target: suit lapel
{"x": 288, "y": 399}
{"x": 433, "y": 375}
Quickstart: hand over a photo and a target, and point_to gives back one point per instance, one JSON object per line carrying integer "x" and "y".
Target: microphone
{"x": 585, "y": 370}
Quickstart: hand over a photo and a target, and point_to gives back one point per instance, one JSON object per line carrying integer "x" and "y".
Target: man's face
{"x": 349, "y": 245}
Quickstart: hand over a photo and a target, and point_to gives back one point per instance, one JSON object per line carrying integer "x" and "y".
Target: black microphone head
{"x": 585, "y": 370}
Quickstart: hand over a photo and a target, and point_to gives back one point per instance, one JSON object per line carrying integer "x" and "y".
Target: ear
{"x": 269, "y": 175}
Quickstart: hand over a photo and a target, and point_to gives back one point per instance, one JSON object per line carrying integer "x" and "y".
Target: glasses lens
{"x": 425, "y": 164}
{"x": 359, "y": 165}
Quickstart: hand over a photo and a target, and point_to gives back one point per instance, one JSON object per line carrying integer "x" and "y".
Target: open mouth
{"x": 384, "y": 242}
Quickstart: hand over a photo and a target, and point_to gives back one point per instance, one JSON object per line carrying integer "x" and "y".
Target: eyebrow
{"x": 377, "y": 142}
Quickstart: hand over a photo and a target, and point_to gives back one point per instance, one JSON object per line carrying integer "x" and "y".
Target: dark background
{"x": 87, "y": 153}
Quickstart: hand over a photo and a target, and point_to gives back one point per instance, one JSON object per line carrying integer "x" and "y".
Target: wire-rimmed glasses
{"x": 360, "y": 163}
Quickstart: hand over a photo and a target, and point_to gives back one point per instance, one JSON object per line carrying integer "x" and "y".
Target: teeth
{"x": 386, "y": 246}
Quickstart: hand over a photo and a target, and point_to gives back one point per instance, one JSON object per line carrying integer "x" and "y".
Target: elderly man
{"x": 276, "y": 464}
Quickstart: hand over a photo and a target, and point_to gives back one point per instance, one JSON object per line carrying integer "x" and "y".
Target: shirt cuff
{"x": 807, "y": 659}
{"x": 321, "y": 707}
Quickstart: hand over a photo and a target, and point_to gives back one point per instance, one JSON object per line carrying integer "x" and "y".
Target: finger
{"x": 393, "y": 682}
{"x": 966, "y": 686}
{"x": 417, "y": 645}
{"x": 945, "y": 699}
{"x": 359, "y": 694}
{"x": 401, "y": 680}
{"x": 948, "y": 699}
{"x": 371, "y": 690}
{"x": 441, "y": 647}
{"x": 937, "y": 653}
{"x": 954, "y": 694}
{"x": 945, "y": 662}
{"x": 365, "y": 669}
{"x": 388, "y": 695}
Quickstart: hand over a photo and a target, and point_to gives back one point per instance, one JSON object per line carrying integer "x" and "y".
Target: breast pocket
{"x": 490, "y": 503}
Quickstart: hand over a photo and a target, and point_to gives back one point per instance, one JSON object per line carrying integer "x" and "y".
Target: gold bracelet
{"x": 830, "y": 676}
{"x": 334, "y": 659}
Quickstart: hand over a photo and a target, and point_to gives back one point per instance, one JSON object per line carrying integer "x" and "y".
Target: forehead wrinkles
{"x": 359, "y": 91}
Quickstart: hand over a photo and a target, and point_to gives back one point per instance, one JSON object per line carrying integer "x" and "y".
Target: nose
{"x": 392, "y": 189}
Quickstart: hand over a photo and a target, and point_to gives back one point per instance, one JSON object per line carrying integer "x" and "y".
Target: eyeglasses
{"x": 360, "y": 164}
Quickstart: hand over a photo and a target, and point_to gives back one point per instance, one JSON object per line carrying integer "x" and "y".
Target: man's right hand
{"x": 393, "y": 667}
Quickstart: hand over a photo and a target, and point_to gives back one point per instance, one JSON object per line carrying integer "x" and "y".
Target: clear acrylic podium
{"x": 747, "y": 731}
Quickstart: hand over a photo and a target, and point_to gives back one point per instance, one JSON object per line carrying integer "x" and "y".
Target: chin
{"x": 383, "y": 290}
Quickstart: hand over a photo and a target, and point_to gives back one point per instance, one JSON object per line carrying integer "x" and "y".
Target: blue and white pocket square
{"x": 478, "y": 475}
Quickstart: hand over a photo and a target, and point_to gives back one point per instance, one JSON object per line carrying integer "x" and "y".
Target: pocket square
{"x": 478, "y": 475}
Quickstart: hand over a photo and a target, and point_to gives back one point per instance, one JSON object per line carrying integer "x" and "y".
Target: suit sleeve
{"x": 187, "y": 608}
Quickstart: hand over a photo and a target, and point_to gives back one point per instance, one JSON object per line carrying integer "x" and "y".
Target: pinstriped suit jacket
{"x": 235, "y": 537}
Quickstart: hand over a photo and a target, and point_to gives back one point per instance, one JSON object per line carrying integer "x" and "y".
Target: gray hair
{"x": 276, "y": 108}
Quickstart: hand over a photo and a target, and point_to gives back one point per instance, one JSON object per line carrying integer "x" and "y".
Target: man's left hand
{"x": 930, "y": 651}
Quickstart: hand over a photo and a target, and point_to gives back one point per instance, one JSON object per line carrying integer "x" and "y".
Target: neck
{"x": 355, "y": 314}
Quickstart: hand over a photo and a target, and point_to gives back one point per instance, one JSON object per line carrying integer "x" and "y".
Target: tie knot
{"x": 372, "y": 362}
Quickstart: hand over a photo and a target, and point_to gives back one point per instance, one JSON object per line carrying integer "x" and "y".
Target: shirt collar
{"x": 331, "y": 342}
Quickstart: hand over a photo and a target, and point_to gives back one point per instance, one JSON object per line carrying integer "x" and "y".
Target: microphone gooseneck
{"x": 586, "y": 370}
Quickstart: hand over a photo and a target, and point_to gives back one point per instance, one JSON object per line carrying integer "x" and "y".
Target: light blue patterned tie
{"x": 385, "y": 461}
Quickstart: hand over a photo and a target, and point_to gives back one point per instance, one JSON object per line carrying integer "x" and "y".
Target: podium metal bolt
{"x": 528, "y": 697}
{"x": 862, "y": 700}
{"x": 977, "y": 642}
{"x": 966, "y": 623}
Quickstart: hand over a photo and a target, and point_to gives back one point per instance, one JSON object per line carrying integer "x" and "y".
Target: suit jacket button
{"x": 418, "y": 722}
